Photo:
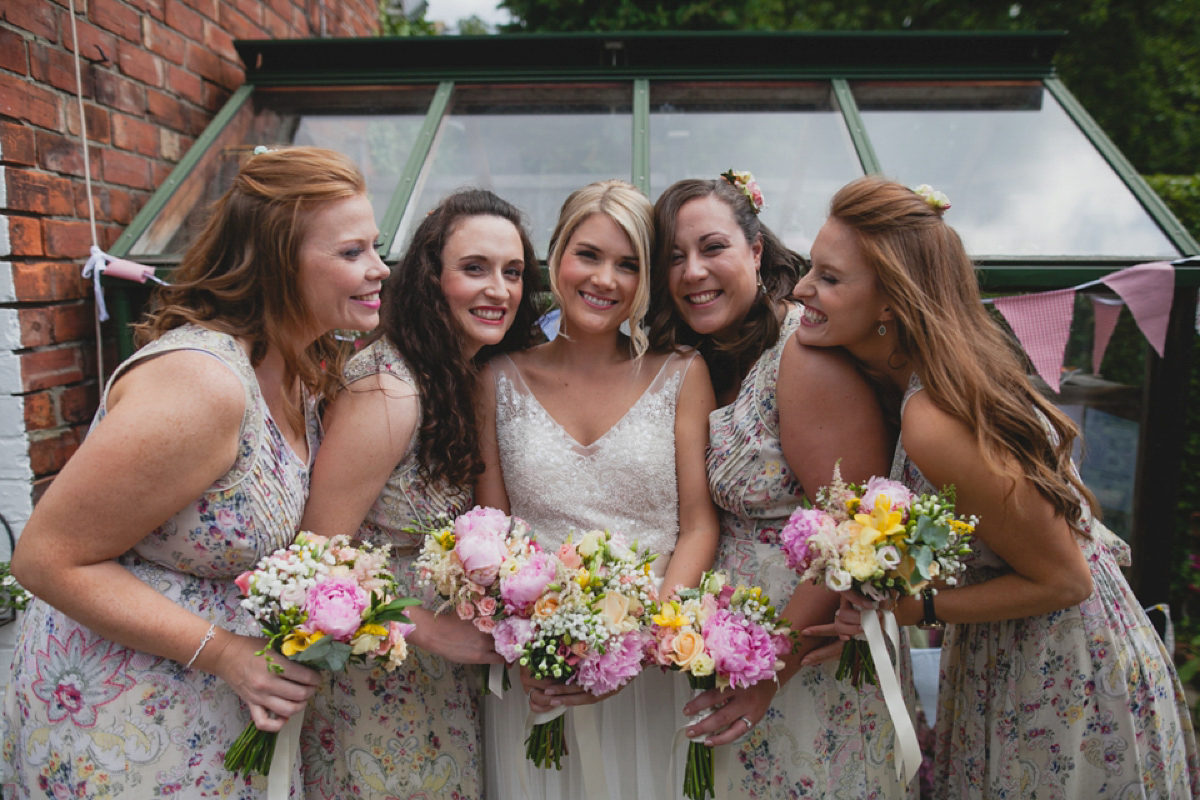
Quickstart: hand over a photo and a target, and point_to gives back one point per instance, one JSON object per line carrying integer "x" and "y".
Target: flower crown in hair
{"x": 937, "y": 201}
{"x": 744, "y": 182}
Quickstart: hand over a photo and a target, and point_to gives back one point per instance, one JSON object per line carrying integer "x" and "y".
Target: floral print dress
{"x": 86, "y": 717}
{"x": 821, "y": 737}
{"x": 1078, "y": 703}
{"x": 415, "y": 732}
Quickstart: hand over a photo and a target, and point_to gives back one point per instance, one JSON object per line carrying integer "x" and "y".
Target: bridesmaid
{"x": 401, "y": 447}
{"x": 787, "y": 415}
{"x": 1054, "y": 683}
{"x": 136, "y": 667}
{"x": 594, "y": 431}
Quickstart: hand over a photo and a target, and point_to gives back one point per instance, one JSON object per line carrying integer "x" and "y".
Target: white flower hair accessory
{"x": 937, "y": 200}
{"x": 744, "y": 182}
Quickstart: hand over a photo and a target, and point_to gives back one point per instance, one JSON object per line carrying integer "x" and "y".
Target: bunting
{"x": 1042, "y": 323}
{"x": 1107, "y": 311}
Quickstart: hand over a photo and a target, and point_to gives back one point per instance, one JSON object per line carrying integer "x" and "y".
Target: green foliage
{"x": 1134, "y": 65}
{"x": 472, "y": 26}
{"x": 394, "y": 21}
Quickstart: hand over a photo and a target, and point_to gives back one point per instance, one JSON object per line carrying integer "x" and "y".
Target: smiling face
{"x": 713, "y": 273}
{"x": 597, "y": 277}
{"x": 339, "y": 271}
{"x": 482, "y": 265}
{"x": 842, "y": 301}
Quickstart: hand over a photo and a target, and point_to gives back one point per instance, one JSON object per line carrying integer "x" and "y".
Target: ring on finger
{"x": 749, "y": 724}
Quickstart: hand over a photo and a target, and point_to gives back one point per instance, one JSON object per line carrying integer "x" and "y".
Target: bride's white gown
{"x": 623, "y": 482}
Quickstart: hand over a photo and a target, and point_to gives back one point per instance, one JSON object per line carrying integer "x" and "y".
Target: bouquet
{"x": 321, "y": 602}
{"x": 879, "y": 539}
{"x": 719, "y": 636}
{"x": 576, "y": 616}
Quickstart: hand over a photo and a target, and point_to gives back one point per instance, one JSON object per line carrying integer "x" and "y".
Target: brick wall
{"x": 154, "y": 73}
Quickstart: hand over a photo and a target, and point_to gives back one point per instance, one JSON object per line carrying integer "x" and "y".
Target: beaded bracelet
{"x": 212, "y": 631}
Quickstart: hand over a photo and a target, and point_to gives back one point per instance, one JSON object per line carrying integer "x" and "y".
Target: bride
{"x": 591, "y": 431}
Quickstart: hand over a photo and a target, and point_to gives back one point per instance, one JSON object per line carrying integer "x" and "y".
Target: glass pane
{"x": 531, "y": 144}
{"x": 1022, "y": 177}
{"x": 375, "y": 127}
{"x": 790, "y": 135}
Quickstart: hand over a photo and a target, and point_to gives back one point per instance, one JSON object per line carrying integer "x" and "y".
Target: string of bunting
{"x": 1042, "y": 321}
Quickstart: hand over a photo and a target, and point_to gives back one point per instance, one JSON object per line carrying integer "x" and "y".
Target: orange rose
{"x": 686, "y": 648}
{"x": 546, "y": 605}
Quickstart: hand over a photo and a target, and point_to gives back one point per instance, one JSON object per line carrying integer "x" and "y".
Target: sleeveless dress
{"x": 623, "y": 482}
{"x": 1078, "y": 703}
{"x": 414, "y": 732}
{"x": 86, "y": 717}
{"x": 821, "y": 737}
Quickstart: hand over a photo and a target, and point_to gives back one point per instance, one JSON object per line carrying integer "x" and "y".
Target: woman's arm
{"x": 489, "y": 486}
{"x": 171, "y": 431}
{"x": 696, "y": 546}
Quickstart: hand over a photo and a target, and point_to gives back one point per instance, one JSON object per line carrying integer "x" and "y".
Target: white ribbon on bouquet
{"x": 587, "y": 737}
{"x": 908, "y": 752}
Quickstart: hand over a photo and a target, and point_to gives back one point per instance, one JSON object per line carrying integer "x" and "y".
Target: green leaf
{"x": 934, "y": 534}
{"x": 397, "y": 605}
{"x": 922, "y": 557}
{"x": 316, "y": 651}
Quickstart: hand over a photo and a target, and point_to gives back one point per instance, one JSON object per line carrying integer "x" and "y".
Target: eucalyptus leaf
{"x": 922, "y": 557}
{"x": 934, "y": 534}
{"x": 315, "y": 652}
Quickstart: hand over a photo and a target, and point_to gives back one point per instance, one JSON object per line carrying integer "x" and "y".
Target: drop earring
{"x": 882, "y": 329}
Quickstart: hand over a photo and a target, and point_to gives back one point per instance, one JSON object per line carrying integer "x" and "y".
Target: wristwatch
{"x": 930, "y": 621}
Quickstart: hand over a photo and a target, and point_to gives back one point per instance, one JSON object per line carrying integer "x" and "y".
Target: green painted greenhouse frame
{"x": 840, "y": 60}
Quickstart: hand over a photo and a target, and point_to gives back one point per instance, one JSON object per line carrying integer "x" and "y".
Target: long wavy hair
{"x": 779, "y": 269}
{"x": 967, "y": 363}
{"x": 417, "y": 319}
{"x": 241, "y": 274}
{"x": 629, "y": 209}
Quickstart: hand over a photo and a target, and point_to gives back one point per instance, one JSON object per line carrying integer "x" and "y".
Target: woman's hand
{"x": 454, "y": 639}
{"x": 847, "y": 623}
{"x": 737, "y": 712}
{"x": 272, "y": 697}
{"x": 547, "y": 694}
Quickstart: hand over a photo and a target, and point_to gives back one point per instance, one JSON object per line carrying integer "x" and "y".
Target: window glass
{"x": 790, "y": 135}
{"x": 531, "y": 144}
{"x": 1021, "y": 176}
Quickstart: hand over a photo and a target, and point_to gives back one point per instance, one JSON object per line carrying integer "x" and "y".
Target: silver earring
{"x": 882, "y": 329}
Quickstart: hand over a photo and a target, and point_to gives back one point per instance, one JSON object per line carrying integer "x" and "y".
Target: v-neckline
{"x": 529, "y": 391}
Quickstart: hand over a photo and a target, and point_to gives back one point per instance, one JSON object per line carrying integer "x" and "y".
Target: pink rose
{"x": 243, "y": 582}
{"x": 465, "y": 610}
{"x": 336, "y": 607}
{"x": 486, "y": 606}
{"x": 485, "y": 624}
{"x": 481, "y": 556}
{"x": 511, "y": 636}
{"x": 569, "y": 557}
{"x": 521, "y": 589}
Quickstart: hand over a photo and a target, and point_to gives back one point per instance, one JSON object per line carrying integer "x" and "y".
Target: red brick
{"x": 47, "y": 281}
{"x": 215, "y": 96}
{"x": 182, "y": 19}
{"x": 140, "y": 64}
{"x": 126, "y": 170}
{"x": 158, "y": 38}
{"x": 24, "y": 100}
{"x": 253, "y": 10}
{"x": 17, "y": 144}
{"x": 300, "y": 22}
{"x": 160, "y": 172}
{"x": 77, "y": 404}
{"x": 171, "y": 145}
{"x": 203, "y": 62}
{"x": 276, "y": 26}
{"x": 38, "y": 192}
{"x": 186, "y": 84}
{"x": 108, "y": 235}
{"x": 239, "y": 25}
{"x": 49, "y": 452}
{"x": 66, "y": 238}
{"x": 166, "y": 110}
{"x": 35, "y": 16}
{"x": 219, "y": 42}
{"x": 209, "y": 8}
{"x": 55, "y": 324}
{"x": 232, "y": 76}
{"x": 56, "y": 366}
{"x": 97, "y": 121}
{"x": 100, "y": 195}
{"x": 131, "y": 133}
{"x": 115, "y": 16}
{"x": 152, "y": 7}
{"x": 52, "y": 65}
{"x": 40, "y": 414}
{"x": 13, "y": 52}
{"x": 25, "y": 236}
{"x": 62, "y": 154}
{"x": 120, "y": 93}
{"x": 120, "y": 206}
{"x": 95, "y": 45}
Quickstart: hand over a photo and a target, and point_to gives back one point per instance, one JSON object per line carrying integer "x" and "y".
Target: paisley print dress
{"x": 821, "y": 737}
{"x": 412, "y": 733}
{"x": 1078, "y": 703}
{"x": 86, "y": 717}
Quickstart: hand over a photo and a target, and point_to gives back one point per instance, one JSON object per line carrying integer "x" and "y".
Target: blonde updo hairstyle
{"x": 626, "y": 206}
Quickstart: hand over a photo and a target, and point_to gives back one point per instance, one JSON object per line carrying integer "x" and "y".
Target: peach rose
{"x": 546, "y": 605}
{"x": 686, "y": 648}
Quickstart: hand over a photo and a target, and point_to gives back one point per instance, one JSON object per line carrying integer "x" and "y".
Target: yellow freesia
{"x": 582, "y": 576}
{"x": 669, "y": 616}
{"x": 298, "y": 641}
{"x": 445, "y": 539}
{"x": 881, "y": 523}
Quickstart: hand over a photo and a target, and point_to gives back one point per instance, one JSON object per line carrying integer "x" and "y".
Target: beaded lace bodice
{"x": 624, "y": 481}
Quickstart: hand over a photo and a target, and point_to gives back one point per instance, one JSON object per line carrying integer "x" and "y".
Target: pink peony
{"x": 481, "y": 556}
{"x": 601, "y": 673}
{"x": 480, "y": 521}
{"x": 897, "y": 493}
{"x": 336, "y": 607}
{"x": 804, "y": 524}
{"x": 520, "y": 590}
{"x": 741, "y": 650}
{"x": 511, "y": 635}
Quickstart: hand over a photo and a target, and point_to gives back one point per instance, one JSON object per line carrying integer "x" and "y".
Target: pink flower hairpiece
{"x": 744, "y": 182}
{"x": 937, "y": 200}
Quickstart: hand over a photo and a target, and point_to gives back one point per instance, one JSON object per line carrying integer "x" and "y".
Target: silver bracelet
{"x": 212, "y": 631}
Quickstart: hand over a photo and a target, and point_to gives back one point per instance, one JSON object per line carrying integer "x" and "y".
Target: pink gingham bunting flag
{"x": 1107, "y": 311}
{"x": 1148, "y": 289}
{"x": 1042, "y": 323}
